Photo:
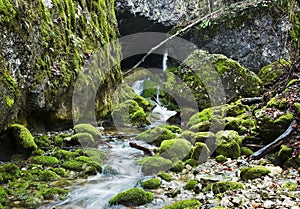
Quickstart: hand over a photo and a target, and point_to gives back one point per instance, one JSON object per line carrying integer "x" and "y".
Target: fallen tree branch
{"x": 196, "y": 22}
{"x": 251, "y": 101}
{"x": 276, "y": 143}
{"x": 146, "y": 151}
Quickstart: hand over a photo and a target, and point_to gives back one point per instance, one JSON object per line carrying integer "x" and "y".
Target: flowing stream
{"x": 95, "y": 192}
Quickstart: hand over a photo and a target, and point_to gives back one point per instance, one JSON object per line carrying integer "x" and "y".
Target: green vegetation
{"x": 132, "y": 197}
{"x": 184, "y": 204}
{"x": 87, "y": 128}
{"x": 221, "y": 159}
{"x": 165, "y": 176}
{"x": 228, "y": 144}
{"x": 223, "y": 186}
{"x": 290, "y": 186}
{"x": 151, "y": 183}
{"x": 175, "y": 148}
{"x": 156, "y": 135}
{"x": 254, "y": 172}
{"x": 44, "y": 160}
{"x": 190, "y": 185}
{"x": 153, "y": 165}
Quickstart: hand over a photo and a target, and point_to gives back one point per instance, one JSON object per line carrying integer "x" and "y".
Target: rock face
{"x": 43, "y": 48}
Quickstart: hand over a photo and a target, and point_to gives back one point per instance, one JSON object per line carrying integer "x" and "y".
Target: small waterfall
{"x": 138, "y": 87}
{"x": 165, "y": 60}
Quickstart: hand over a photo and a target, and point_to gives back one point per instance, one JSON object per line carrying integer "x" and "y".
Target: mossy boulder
{"x": 177, "y": 166}
{"x": 22, "y": 138}
{"x": 44, "y": 160}
{"x": 237, "y": 80}
{"x": 130, "y": 113}
{"x": 228, "y": 144}
{"x": 199, "y": 117}
{"x": 273, "y": 71}
{"x": 248, "y": 173}
{"x": 156, "y": 135}
{"x": 284, "y": 153}
{"x": 165, "y": 176}
{"x": 175, "y": 148}
{"x": 184, "y": 204}
{"x": 272, "y": 122}
{"x": 190, "y": 185}
{"x": 280, "y": 104}
{"x": 235, "y": 108}
{"x": 84, "y": 139}
{"x": 203, "y": 137}
{"x": 151, "y": 183}
{"x": 42, "y": 141}
{"x": 132, "y": 197}
{"x": 221, "y": 159}
{"x": 83, "y": 164}
{"x": 48, "y": 175}
{"x": 52, "y": 193}
{"x": 200, "y": 152}
{"x": 153, "y": 165}
{"x": 246, "y": 151}
{"x": 188, "y": 135}
{"x": 87, "y": 128}
{"x": 3, "y": 196}
{"x": 9, "y": 172}
{"x": 201, "y": 127}
{"x": 223, "y": 186}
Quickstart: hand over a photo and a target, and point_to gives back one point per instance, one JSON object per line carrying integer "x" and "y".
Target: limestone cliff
{"x": 44, "y": 46}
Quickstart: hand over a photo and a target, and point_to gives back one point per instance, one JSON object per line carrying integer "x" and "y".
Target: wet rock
{"x": 132, "y": 197}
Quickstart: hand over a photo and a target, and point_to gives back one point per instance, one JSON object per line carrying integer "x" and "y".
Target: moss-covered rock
{"x": 9, "y": 172}
{"x": 52, "y": 193}
{"x": 155, "y": 164}
{"x": 188, "y": 135}
{"x": 48, "y": 175}
{"x": 284, "y": 153}
{"x": 199, "y": 117}
{"x": 183, "y": 204}
{"x": 177, "y": 166}
{"x": 165, "y": 176}
{"x": 132, "y": 197}
{"x": 130, "y": 113}
{"x": 201, "y": 127}
{"x": 83, "y": 164}
{"x": 235, "y": 108}
{"x": 175, "y": 148}
{"x": 85, "y": 139}
{"x": 290, "y": 186}
{"x": 237, "y": 81}
{"x": 23, "y": 139}
{"x": 228, "y": 144}
{"x": 221, "y": 159}
{"x": 156, "y": 135}
{"x": 254, "y": 172}
{"x": 44, "y": 160}
{"x": 200, "y": 152}
{"x": 190, "y": 185}
{"x": 246, "y": 151}
{"x": 271, "y": 123}
{"x": 87, "y": 128}
{"x": 151, "y": 183}
{"x": 273, "y": 71}
{"x": 203, "y": 137}
{"x": 223, "y": 186}
{"x": 3, "y": 196}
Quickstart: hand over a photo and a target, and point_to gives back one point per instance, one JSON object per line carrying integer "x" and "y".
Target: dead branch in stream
{"x": 146, "y": 151}
{"x": 276, "y": 143}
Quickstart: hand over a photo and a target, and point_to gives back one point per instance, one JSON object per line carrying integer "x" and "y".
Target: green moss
{"x": 223, "y": 186}
{"x": 178, "y": 166}
{"x": 42, "y": 141}
{"x": 280, "y": 104}
{"x": 188, "y": 135}
{"x": 173, "y": 128}
{"x": 3, "y": 196}
{"x": 246, "y": 151}
{"x": 23, "y": 137}
{"x": 9, "y": 101}
{"x": 284, "y": 153}
{"x": 83, "y": 164}
{"x": 201, "y": 127}
{"x": 52, "y": 193}
{"x": 9, "y": 172}
{"x": 48, "y": 175}
{"x": 203, "y": 137}
{"x": 221, "y": 159}
{"x": 290, "y": 186}
{"x": 200, "y": 152}
{"x": 7, "y": 11}
{"x": 132, "y": 197}
{"x": 235, "y": 109}
{"x": 153, "y": 165}
{"x": 192, "y": 162}
{"x": 130, "y": 113}
{"x": 199, "y": 117}
{"x": 151, "y": 183}
{"x": 292, "y": 82}
{"x": 165, "y": 176}
{"x": 228, "y": 144}
{"x": 45, "y": 160}
{"x": 254, "y": 172}
{"x": 273, "y": 71}
{"x": 190, "y": 185}
{"x": 85, "y": 139}
{"x": 175, "y": 148}
{"x": 156, "y": 135}
{"x": 297, "y": 107}
{"x": 184, "y": 204}
{"x": 87, "y": 128}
